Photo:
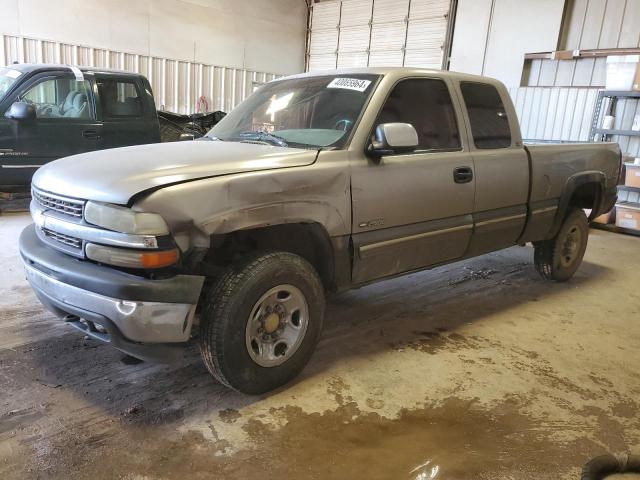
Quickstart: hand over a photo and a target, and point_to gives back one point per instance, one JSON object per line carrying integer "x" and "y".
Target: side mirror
{"x": 393, "y": 138}
{"x": 22, "y": 111}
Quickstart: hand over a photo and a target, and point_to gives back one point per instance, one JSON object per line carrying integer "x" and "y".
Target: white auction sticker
{"x": 77, "y": 73}
{"x": 350, "y": 84}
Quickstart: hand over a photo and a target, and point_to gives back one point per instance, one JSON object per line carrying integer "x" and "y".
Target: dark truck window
{"x": 60, "y": 98}
{"x": 119, "y": 98}
{"x": 425, "y": 104}
{"x": 489, "y": 121}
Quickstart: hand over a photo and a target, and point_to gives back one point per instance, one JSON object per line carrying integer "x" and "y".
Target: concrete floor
{"x": 477, "y": 370}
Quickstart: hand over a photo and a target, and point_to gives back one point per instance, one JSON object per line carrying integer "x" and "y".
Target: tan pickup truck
{"x": 315, "y": 184}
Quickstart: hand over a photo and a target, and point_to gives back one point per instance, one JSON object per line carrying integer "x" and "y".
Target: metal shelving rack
{"x": 604, "y": 134}
{"x": 614, "y": 95}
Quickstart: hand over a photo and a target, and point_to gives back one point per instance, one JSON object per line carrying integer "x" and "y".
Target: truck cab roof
{"x": 29, "y": 68}
{"x": 397, "y": 72}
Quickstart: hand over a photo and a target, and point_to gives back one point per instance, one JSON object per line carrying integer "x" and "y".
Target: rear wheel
{"x": 559, "y": 257}
{"x": 261, "y": 322}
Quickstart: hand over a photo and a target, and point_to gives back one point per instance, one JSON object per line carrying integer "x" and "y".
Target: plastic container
{"x": 623, "y": 72}
{"x": 629, "y": 195}
{"x": 628, "y": 216}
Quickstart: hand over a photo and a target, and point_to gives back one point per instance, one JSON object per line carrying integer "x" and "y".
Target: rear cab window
{"x": 119, "y": 98}
{"x": 426, "y": 104}
{"x": 487, "y": 116}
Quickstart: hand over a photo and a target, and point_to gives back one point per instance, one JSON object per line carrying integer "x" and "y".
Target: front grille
{"x": 57, "y": 203}
{"x": 66, "y": 239}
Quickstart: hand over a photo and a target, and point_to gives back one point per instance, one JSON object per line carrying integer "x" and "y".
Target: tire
{"x": 240, "y": 303}
{"x": 559, "y": 257}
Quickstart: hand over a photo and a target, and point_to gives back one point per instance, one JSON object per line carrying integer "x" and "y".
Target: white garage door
{"x": 360, "y": 33}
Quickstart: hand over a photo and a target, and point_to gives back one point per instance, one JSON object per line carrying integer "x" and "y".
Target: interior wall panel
{"x": 236, "y": 33}
{"x": 630, "y": 30}
{"x": 177, "y": 85}
{"x": 593, "y": 21}
{"x": 470, "y": 36}
{"x": 492, "y": 36}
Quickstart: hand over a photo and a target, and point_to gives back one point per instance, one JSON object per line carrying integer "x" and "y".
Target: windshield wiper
{"x": 261, "y": 137}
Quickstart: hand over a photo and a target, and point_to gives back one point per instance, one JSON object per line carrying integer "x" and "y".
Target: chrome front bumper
{"x": 149, "y": 319}
{"x": 146, "y": 322}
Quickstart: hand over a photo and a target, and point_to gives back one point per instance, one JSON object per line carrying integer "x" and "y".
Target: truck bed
{"x": 552, "y": 164}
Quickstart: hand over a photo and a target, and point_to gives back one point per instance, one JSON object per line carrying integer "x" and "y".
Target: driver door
{"x": 414, "y": 210}
{"x": 65, "y": 123}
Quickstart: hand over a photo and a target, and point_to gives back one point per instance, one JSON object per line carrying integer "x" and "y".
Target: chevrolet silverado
{"x": 315, "y": 184}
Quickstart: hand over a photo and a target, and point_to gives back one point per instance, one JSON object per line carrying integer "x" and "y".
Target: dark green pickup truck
{"x": 53, "y": 111}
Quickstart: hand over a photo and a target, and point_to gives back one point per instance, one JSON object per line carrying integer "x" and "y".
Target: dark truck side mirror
{"x": 22, "y": 111}
{"x": 391, "y": 138}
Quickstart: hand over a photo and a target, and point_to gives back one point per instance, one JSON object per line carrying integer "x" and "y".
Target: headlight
{"x": 122, "y": 257}
{"x": 124, "y": 220}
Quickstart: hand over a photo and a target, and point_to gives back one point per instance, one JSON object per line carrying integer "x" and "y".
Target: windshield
{"x": 8, "y": 77}
{"x": 301, "y": 112}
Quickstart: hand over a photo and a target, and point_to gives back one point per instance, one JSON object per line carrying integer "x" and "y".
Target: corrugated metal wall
{"x": 177, "y": 85}
{"x": 565, "y": 114}
{"x": 547, "y": 113}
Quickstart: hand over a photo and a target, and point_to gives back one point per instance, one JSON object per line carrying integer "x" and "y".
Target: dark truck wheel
{"x": 261, "y": 322}
{"x": 559, "y": 257}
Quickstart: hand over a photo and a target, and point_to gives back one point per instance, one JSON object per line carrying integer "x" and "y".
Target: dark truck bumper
{"x": 148, "y": 319}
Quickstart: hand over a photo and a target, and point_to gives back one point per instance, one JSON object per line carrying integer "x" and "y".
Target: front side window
{"x": 426, "y": 104}
{"x": 8, "y": 77}
{"x": 60, "y": 98}
{"x": 306, "y": 112}
{"x": 489, "y": 121}
{"x": 119, "y": 98}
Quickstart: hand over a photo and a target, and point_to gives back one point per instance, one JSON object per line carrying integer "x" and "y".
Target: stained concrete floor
{"x": 476, "y": 370}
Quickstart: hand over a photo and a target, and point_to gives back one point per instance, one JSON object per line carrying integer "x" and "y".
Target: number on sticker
{"x": 350, "y": 84}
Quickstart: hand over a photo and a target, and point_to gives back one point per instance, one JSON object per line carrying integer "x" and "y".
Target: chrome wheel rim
{"x": 571, "y": 246}
{"x": 277, "y": 325}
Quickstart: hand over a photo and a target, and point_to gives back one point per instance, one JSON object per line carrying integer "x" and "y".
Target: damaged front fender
{"x": 318, "y": 193}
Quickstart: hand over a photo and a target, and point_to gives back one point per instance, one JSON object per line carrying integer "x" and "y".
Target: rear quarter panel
{"x": 554, "y": 171}
{"x": 553, "y": 164}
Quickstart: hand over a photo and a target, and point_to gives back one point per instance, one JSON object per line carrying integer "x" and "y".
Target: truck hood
{"x": 115, "y": 175}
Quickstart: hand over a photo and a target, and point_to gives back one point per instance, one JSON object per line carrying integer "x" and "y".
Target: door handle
{"x": 91, "y": 134}
{"x": 462, "y": 174}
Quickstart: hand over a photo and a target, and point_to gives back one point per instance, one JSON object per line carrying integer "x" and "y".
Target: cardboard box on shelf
{"x": 628, "y": 216}
{"x": 632, "y": 175}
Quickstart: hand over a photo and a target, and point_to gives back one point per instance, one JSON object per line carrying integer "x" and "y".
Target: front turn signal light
{"x": 159, "y": 259}
{"x": 124, "y": 257}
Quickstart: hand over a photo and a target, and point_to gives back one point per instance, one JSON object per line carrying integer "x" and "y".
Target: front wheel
{"x": 559, "y": 257}
{"x": 261, "y": 322}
